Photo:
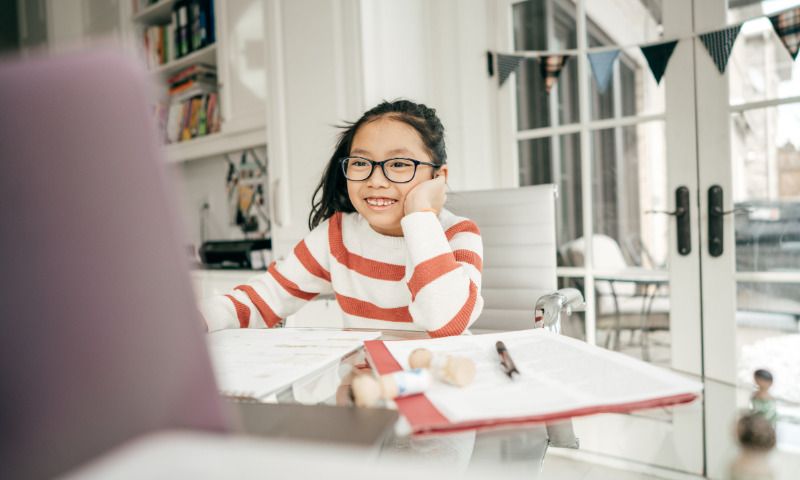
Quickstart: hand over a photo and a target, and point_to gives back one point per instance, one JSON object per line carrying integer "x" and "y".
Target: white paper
{"x": 259, "y": 362}
{"x": 557, "y": 374}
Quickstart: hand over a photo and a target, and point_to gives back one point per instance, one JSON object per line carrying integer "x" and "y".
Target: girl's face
{"x": 376, "y": 198}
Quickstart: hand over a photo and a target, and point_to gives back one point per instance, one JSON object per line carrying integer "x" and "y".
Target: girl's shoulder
{"x": 452, "y": 223}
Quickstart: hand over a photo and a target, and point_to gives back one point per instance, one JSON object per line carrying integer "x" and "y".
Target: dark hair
{"x": 330, "y": 196}
{"x": 763, "y": 374}
{"x": 755, "y": 432}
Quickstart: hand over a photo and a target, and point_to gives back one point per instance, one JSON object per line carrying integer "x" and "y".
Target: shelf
{"x": 155, "y": 14}
{"x": 206, "y": 55}
{"x": 215, "y": 144}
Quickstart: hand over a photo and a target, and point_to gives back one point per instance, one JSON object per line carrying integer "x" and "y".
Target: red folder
{"x": 425, "y": 418}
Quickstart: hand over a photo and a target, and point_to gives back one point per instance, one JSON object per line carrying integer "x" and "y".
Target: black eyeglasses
{"x": 397, "y": 170}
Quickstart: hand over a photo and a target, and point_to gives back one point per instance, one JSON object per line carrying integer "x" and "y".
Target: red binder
{"x": 425, "y": 418}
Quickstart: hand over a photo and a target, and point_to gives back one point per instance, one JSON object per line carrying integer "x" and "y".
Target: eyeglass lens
{"x": 397, "y": 170}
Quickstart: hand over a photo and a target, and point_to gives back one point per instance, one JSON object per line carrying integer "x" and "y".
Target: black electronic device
{"x": 250, "y": 254}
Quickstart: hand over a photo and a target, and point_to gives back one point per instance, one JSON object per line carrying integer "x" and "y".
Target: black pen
{"x": 505, "y": 359}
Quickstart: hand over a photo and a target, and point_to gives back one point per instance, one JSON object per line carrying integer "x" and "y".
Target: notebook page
{"x": 259, "y": 362}
{"x": 557, "y": 374}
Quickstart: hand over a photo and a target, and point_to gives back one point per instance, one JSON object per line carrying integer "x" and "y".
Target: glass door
{"x": 749, "y": 157}
{"x": 620, "y": 149}
{"x": 722, "y": 303}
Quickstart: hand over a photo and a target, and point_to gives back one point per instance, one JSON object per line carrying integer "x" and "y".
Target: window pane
{"x": 767, "y": 322}
{"x": 629, "y": 246}
{"x": 623, "y": 22}
{"x": 631, "y": 89}
{"x": 533, "y": 19}
{"x": 765, "y": 151}
{"x": 760, "y": 67}
{"x": 540, "y": 25}
{"x": 556, "y": 160}
{"x": 629, "y": 178}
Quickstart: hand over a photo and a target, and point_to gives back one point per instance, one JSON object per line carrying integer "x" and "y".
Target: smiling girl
{"x": 380, "y": 239}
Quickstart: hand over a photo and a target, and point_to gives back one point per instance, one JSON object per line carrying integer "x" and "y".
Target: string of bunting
{"x": 718, "y": 43}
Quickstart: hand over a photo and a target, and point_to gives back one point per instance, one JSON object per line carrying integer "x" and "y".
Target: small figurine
{"x": 756, "y": 438}
{"x": 458, "y": 371}
{"x": 368, "y": 391}
{"x": 761, "y": 401}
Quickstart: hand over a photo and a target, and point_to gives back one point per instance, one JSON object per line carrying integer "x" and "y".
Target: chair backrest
{"x": 519, "y": 250}
{"x": 608, "y": 256}
{"x": 607, "y": 252}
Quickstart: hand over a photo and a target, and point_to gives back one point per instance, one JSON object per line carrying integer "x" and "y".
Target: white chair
{"x": 518, "y": 229}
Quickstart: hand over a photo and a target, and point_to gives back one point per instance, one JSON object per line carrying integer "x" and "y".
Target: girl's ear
{"x": 442, "y": 171}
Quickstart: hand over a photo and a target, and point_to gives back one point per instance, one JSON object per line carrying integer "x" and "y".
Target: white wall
{"x": 435, "y": 53}
{"x": 312, "y": 70}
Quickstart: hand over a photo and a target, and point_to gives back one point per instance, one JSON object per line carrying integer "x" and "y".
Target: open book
{"x": 256, "y": 363}
{"x": 560, "y": 377}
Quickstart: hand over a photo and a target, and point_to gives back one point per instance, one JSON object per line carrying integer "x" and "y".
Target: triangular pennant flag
{"x": 720, "y": 44}
{"x": 551, "y": 66}
{"x": 506, "y": 64}
{"x": 787, "y": 26}
{"x": 602, "y": 67}
{"x": 658, "y": 56}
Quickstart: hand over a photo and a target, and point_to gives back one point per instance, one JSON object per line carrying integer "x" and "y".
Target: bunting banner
{"x": 551, "y": 66}
{"x": 603, "y": 67}
{"x": 657, "y": 57}
{"x": 787, "y": 26}
{"x": 720, "y": 44}
{"x": 506, "y": 65}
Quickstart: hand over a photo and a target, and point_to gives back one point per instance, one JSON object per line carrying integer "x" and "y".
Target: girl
{"x": 380, "y": 239}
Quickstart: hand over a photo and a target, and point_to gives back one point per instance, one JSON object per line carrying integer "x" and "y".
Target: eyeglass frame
{"x": 382, "y": 164}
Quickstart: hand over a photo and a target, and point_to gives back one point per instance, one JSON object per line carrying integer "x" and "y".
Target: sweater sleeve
{"x": 445, "y": 282}
{"x": 272, "y": 296}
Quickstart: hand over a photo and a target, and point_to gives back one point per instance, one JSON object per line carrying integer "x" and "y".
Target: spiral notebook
{"x": 560, "y": 378}
{"x": 257, "y": 363}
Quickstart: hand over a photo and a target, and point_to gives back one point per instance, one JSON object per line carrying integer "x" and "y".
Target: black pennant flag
{"x": 658, "y": 56}
{"x": 507, "y": 64}
{"x": 787, "y": 26}
{"x": 720, "y": 44}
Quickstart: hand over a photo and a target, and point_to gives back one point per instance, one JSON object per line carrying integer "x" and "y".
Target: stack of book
{"x": 191, "y": 28}
{"x": 192, "y": 109}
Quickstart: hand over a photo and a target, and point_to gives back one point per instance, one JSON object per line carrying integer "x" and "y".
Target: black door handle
{"x": 682, "y": 220}
{"x": 715, "y": 218}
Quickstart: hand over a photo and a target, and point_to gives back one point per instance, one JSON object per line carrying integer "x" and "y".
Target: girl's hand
{"x": 426, "y": 196}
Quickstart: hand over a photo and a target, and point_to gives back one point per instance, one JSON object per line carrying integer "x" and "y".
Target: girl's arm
{"x": 272, "y": 296}
{"x": 445, "y": 282}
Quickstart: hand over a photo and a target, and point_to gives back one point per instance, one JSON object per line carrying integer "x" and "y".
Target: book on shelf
{"x": 190, "y": 118}
{"x": 192, "y": 106}
{"x": 194, "y": 25}
{"x": 190, "y": 28}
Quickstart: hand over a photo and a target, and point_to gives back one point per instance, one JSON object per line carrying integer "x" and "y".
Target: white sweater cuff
{"x": 218, "y": 312}
{"x": 424, "y": 236}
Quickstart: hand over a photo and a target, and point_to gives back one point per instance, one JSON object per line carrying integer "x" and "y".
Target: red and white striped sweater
{"x": 429, "y": 279}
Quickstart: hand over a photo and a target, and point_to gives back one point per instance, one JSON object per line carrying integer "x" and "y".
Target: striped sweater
{"x": 429, "y": 279}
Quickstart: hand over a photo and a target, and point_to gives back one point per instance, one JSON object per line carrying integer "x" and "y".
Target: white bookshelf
{"x": 157, "y": 13}
{"x": 206, "y": 55}
{"x": 242, "y": 116}
{"x": 213, "y": 145}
